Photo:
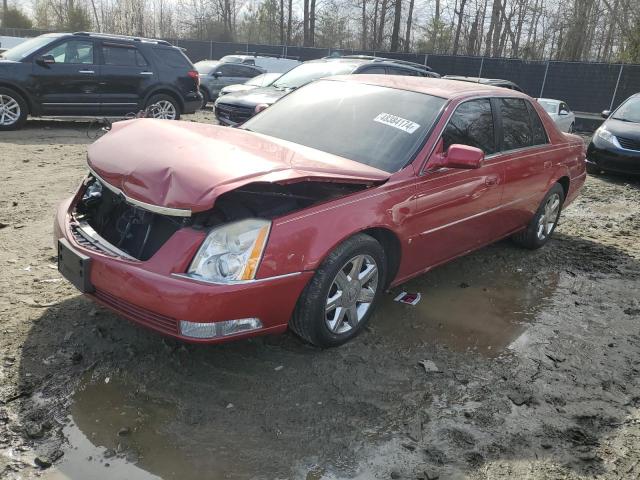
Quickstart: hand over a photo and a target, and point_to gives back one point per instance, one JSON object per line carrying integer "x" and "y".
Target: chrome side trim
{"x": 175, "y": 212}
{"x": 87, "y": 231}
{"x": 235, "y": 282}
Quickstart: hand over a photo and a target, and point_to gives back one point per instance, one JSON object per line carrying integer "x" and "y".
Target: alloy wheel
{"x": 163, "y": 109}
{"x": 9, "y": 110}
{"x": 549, "y": 216}
{"x": 351, "y": 294}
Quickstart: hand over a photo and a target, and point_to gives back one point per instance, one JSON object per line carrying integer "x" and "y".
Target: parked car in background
{"x": 306, "y": 214}
{"x": 237, "y": 108}
{"x": 215, "y": 75}
{"x": 615, "y": 146}
{"x": 269, "y": 63}
{"x": 263, "y": 80}
{"x": 494, "y": 82}
{"x": 560, "y": 113}
{"x": 95, "y": 74}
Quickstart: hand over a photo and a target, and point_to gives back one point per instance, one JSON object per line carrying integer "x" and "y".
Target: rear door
{"x": 69, "y": 85}
{"x": 456, "y": 209}
{"x": 126, "y": 76}
{"x": 528, "y": 158}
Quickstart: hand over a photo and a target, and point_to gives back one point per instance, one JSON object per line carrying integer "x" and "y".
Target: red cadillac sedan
{"x": 305, "y": 215}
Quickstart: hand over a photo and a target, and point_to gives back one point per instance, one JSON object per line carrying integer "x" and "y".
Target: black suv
{"x": 236, "y": 108}
{"x": 93, "y": 74}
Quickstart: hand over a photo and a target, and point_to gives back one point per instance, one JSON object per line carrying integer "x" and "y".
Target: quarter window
{"x": 516, "y": 124}
{"x": 472, "y": 124}
{"x": 73, "y": 52}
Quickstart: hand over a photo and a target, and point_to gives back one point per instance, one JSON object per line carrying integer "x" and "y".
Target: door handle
{"x": 89, "y": 72}
{"x": 146, "y": 73}
{"x": 489, "y": 181}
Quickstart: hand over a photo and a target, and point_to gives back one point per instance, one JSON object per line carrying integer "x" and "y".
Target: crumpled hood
{"x": 187, "y": 165}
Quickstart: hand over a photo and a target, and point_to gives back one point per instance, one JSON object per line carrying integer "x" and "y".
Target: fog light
{"x": 218, "y": 329}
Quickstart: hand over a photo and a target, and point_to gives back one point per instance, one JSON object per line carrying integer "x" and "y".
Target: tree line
{"x": 575, "y": 30}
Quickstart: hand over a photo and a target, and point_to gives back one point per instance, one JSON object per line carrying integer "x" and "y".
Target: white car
{"x": 560, "y": 112}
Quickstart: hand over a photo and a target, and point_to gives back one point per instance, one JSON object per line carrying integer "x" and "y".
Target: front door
{"x": 69, "y": 83}
{"x": 126, "y": 75}
{"x": 456, "y": 209}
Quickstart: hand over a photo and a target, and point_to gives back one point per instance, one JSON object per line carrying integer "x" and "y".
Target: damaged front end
{"x": 103, "y": 219}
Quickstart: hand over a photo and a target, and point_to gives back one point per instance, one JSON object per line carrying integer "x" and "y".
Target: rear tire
{"x": 572, "y": 128}
{"x": 340, "y": 298}
{"x": 544, "y": 222}
{"x": 13, "y": 109}
{"x": 163, "y": 106}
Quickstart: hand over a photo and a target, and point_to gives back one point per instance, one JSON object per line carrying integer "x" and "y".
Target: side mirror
{"x": 463, "y": 156}
{"x": 606, "y": 113}
{"x": 45, "y": 60}
{"x": 217, "y": 74}
{"x": 564, "y": 112}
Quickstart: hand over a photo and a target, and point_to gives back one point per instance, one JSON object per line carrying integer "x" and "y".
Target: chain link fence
{"x": 585, "y": 86}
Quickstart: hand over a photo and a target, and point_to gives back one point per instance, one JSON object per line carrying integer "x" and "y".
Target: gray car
{"x": 215, "y": 75}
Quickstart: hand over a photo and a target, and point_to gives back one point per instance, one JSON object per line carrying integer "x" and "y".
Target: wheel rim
{"x": 549, "y": 217}
{"x": 9, "y": 110}
{"x": 163, "y": 109}
{"x": 351, "y": 294}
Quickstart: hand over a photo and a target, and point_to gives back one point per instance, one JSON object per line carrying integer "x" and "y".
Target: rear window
{"x": 173, "y": 57}
{"x": 378, "y": 126}
{"x": 122, "y": 56}
{"x": 516, "y": 127}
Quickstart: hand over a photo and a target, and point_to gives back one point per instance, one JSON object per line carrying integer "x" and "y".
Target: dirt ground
{"x": 515, "y": 364}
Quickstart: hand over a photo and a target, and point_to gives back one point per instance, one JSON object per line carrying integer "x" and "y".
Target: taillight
{"x": 196, "y": 77}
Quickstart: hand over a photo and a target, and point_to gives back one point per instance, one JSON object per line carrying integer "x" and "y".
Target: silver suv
{"x": 215, "y": 75}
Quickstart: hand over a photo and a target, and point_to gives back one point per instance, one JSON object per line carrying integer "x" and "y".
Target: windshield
{"x": 263, "y": 80}
{"x": 629, "y": 111}
{"x": 308, "y": 72}
{"x": 378, "y": 126}
{"x": 205, "y": 68}
{"x": 549, "y": 107}
{"x": 26, "y": 48}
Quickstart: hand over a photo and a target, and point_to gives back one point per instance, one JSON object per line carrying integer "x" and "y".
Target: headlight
{"x": 603, "y": 134}
{"x": 231, "y": 253}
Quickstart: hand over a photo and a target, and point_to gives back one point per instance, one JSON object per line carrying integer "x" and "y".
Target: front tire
{"x": 164, "y": 107}
{"x": 593, "y": 169}
{"x": 544, "y": 222}
{"x": 13, "y": 109}
{"x": 338, "y": 301}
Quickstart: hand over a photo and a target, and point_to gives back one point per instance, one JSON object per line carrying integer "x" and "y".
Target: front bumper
{"x": 153, "y": 294}
{"x": 614, "y": 159}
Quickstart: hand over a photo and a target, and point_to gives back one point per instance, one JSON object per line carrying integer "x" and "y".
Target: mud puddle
{"x": 467, "y": 307}
{"x": 116, "y": 431}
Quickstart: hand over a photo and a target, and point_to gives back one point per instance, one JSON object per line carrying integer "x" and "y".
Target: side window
{"x": 225, "y": 70}
{"x": 122, "y": 56}
{"x": 539, "y": 133}
{"x": 172, "y": 57}
{"x": 73, "y": 52}
{"x": 401, "y": 71}
{"x": 471, "y": 124}
{"x": 247, "y": 72}
{"x": 374, "y": 70}
{"x": 564, "y": 106}
{"x": 516, "y": 124}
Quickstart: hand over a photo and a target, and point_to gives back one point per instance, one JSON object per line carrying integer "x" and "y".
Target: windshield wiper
{"x": 624, "y": 120}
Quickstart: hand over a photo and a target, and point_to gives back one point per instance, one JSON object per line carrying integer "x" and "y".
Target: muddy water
{"x": 465, "y": 306}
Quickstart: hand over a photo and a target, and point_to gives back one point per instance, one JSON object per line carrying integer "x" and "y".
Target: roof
{"x": 478, "y": 79}
{"x": 549, "y": 100}
{"x": 438, "y": 87}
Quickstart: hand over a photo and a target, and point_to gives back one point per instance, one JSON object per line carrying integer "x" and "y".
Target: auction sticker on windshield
{"x": 397, "y": 122}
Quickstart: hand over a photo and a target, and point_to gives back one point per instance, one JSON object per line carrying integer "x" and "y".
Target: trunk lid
{"x": 186, "y": 165}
